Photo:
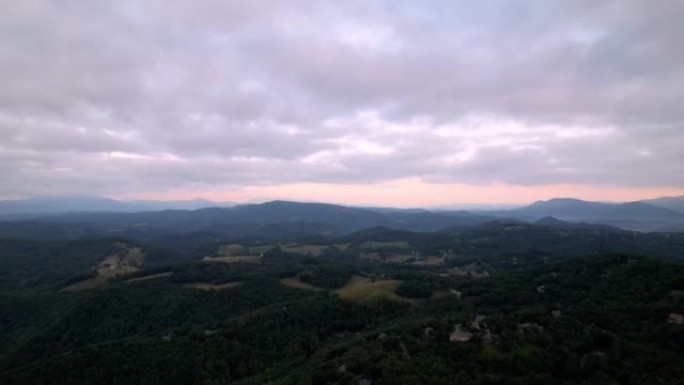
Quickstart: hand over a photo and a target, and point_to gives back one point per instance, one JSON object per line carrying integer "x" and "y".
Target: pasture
{"x": 295, "y": 283}
{"x": 234, "y": 259}
{"x": 211, "y": 287}
{"x": 315, "y": 250}
{"x": 125, "y": 260}
{"x": 360, "y": 288}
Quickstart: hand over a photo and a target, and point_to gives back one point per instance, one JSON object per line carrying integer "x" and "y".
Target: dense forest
{"x": 503, "y": 303}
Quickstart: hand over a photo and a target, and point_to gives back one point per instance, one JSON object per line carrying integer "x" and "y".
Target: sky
{"x": 392, "y": 102}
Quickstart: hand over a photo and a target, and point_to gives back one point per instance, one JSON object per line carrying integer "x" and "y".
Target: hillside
{"x": 672, "y": 203}
{"x": 598, "y": 319}
{"x": 637, "y": 216}
{"x": 299, "y": 301}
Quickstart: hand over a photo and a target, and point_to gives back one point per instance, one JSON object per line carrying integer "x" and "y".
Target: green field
{"x": 149, "y": 277}
{"x": 295, "y": 283}
{"x": 210, "y": 287}
{"x": 400, "y": 258}
{"x": 235, "y": 259}
{"x": 315, "y": 250}
{"x": 259, "y": 249}
{"x": 342, "y": 246}
{"x": 362, "y": 289}
{"x": 126, "y": 260}
{"x": 232, "y": 249}
{"x": 373, "y": 246}
{"x": 429, "y": 261}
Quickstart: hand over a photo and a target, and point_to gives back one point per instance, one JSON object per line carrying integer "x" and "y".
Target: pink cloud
{"x": 413, "y": 192}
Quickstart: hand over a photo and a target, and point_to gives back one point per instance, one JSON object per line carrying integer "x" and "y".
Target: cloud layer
{"x": 105, "y": 97}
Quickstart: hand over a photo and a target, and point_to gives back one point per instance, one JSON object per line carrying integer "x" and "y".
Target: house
{"x": 675, "y": 318}
{"x": 460, "y": 335}
{"x": 530, "y": 328}
{"x": 477, "y": 323}
{"x": 489, "y": 338}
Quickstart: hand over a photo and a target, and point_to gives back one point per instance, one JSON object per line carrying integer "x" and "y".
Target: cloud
{"x": 106, "y": 97}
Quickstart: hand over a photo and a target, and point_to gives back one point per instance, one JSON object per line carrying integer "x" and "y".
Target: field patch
{"x": 342, "y": 246}
{"x": 429, "y": 261}
{"x": 401, "y": 258}
{"x": 232, "y": 249}
{"x": 361, "y": 288}
{"x": 211, "y": 286}
{"x": 371, "y": 256}
{"x": 149, "y": 277}
{"x": 259, "y": 249}
{"x": 234, "y": 259}
{"x": 294, "y": 282}
{"x": 385, "y": 245}
{"x": 125, "y": 259}
{"x": 238, "y": 250}
{"x": 315, "y": 250}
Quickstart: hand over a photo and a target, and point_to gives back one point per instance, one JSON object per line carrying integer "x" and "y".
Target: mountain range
{"x": 278, "y": 217}
{"x": 47, "y": 205}
{"x": 639, "y": 216}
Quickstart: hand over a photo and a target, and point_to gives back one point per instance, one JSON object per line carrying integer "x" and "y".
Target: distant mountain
{"x": 59, "y": 205}
{"x": 254, "y": 221}
{"x": 192, "y": 204}
{"x": 558, "y": 224}
{"x": 56, "y": 205}
{"x": 631, "y": 216}
{"x": 672, "y": 203}
{"x": 144, "y": 219}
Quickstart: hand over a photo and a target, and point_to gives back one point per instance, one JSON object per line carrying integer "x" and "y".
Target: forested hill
{"x": 42, "y": 264}
{"x": 600, "y": 319}
{"x": 281, "y": 294}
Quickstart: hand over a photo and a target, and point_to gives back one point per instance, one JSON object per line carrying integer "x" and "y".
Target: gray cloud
{"x": 106, "y": 96}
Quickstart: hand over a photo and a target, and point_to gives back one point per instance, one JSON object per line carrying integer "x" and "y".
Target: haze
{"x": 361, "y": 102}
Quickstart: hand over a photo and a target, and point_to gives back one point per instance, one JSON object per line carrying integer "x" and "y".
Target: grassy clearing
{"x": 235, "y": 259}
{"x": 126, "y": 260}
{"x": 88, "y": 284}
{"x": 362, "y": 289}
{"x": 294, "y": 282}
{"x": 210, "y": 286}
{"x": 315, "y": 250}
{"x": 430, "y": 261}
{"x": 231, "y": 249}
{"x": 385, "y": 245}
{"x": 342, "y": 246}
{"x": 400, "y": 258}
{"x": 258, "y": 250}
{"x": 149, "y": 277}
{"x": 371, "y": 256}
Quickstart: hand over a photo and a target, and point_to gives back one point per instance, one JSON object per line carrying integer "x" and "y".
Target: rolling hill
{"x": 672, "y": 203}
{"x": 637, "y": 216}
